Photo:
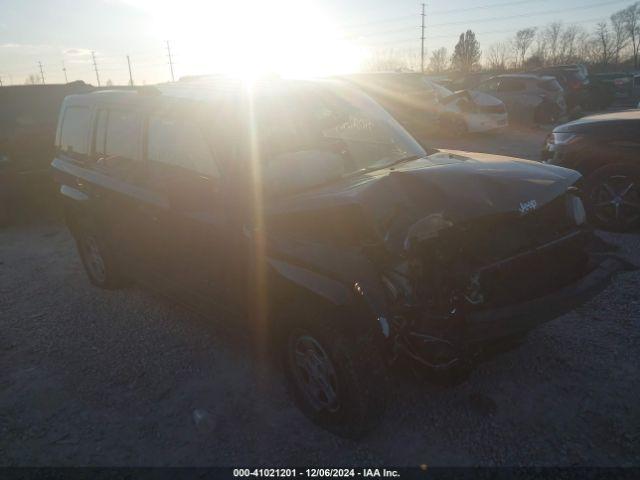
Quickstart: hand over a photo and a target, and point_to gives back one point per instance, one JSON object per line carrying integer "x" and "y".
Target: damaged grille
{"x": 501, "y": 261}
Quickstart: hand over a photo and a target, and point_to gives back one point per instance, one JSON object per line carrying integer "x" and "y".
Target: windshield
{"x": 332, "y": 118}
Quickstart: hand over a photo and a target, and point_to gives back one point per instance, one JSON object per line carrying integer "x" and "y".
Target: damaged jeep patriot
{"x": 336, "y": 240}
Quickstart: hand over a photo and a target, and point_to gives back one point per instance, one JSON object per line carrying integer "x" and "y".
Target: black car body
{"x": 573, "y": 81}
{"x": 605, "y": 149}
{"x": 305, "y": 207}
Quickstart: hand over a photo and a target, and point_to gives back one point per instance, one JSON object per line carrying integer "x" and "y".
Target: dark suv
{"x": 605, "y": 148}
{"x": 308, "y": 210}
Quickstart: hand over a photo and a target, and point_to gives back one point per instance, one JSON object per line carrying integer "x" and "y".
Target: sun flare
{"x": 285, "y": 37}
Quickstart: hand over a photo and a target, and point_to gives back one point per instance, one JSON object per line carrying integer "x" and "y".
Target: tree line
{"x": 613, "y": 43}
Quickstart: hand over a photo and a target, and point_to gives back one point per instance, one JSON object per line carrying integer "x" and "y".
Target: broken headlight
{"x": 575, "y": 210}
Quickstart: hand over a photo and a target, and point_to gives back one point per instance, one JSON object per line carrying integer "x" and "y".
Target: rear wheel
{"x": 613, "y": 197}
{"x": 97, "y": 259}
{"x": 337, "y": 378}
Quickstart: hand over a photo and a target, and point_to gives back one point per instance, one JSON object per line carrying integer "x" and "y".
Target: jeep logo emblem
{"x": 526, "y": 207}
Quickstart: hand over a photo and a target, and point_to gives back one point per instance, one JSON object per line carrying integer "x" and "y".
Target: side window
{"x": 512, "y": 85}
{"x": 123, "y": 134}
{"x": 74, "y": 133}
{"x": 178, "y": 143}
{"x": 100, "y": 134}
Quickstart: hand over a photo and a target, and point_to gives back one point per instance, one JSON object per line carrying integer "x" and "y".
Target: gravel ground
{"x": 93, "y": 377}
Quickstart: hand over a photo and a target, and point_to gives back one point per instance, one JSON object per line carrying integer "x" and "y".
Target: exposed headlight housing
{"x": 575, "y": 209}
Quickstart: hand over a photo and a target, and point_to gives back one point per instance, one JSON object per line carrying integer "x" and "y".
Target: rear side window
{"x": 74, "y": 133}
{"x": 550, "y": 85}
{"x": 180, "y": 143}
{"x": 123, "y": 134}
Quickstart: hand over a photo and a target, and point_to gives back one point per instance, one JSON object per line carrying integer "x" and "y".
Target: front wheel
{"x": 613, "y": 197}
{"x": 337, "y": 377}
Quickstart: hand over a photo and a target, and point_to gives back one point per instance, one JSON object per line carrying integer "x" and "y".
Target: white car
{"x": 412, "y": 97}
{"x": 469, "y": 110}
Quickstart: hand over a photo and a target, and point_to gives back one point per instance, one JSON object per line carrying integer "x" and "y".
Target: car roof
{"x": 194, "y": 89}
{"x": 525, "y": 76}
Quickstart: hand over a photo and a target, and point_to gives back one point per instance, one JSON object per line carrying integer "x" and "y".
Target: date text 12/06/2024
{"x": 319, "y": 472}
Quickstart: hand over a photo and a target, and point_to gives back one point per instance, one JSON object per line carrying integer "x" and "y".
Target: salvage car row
{"x": 344, "y": 244}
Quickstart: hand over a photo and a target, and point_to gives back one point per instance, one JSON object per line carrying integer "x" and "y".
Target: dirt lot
{"x": 91, "y": 377}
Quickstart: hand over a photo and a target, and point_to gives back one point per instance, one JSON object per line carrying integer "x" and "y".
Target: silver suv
{"x": 528, "y": 98}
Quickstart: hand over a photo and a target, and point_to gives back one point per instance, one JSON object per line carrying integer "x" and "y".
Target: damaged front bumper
{"x": 469, "y": 331}
{"x": 502, "y": 322}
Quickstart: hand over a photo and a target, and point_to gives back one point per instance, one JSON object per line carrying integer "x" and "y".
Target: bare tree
{"x": 620, "y": 34}
{"x": 552, "y": 35}
{"x": 439, "y": 60}
{"x": 521, "y": 43}
{"x": 32, "y": 79}
{"x": 467, "y": 53}
{"x": 604, "y": 45}
{"x": 389, "y": 60}
{"x": 497, "y": 56}
{"x": 567, "y": 45}
{"x": 631, "y": 22}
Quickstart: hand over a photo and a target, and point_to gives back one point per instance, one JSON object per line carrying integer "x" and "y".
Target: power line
{"x": 130, "y": 76}
{"x": 434, "y": 37}
{"x": 95, "y": 67}
{"x": 422, "y": 42}
{"x": 41, "y": 72}
{"x": 170, "y": 61}
{"x": 490, "y": 19}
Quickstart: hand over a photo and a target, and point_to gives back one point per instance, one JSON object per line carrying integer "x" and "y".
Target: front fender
{"x": 366, "y": 296}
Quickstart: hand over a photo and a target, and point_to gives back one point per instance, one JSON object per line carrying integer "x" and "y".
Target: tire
{"x": 612, "y": 197}
{"x": 337, "y": 378}
{"x": 97, "y": 259}
{"x": 453, "y": 126}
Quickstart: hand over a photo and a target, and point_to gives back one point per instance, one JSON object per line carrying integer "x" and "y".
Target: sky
{"x": 288, "y": 37}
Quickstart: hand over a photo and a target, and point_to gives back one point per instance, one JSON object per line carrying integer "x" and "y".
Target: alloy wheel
{"x": 616, "y": 200}
{"x": 314, "y": 372}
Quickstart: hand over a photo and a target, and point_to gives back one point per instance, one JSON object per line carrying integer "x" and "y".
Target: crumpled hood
{"x": 458, "y": 186}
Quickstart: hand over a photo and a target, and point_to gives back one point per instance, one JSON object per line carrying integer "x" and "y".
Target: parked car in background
{"x": 415, "y": 99}
{"x": 528, "y": 98}
{"x": 307, "y": 210}
{"x": 464, "y": 81}
{"x": 573, "y": 81}
{"x": 622, "y": 83}
{"x": 605, "y": 148}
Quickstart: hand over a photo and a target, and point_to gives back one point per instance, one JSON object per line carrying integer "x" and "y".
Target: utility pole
{"x": 130, "y": 76}
{"x": 64, "y": 70}
{"x": 422, "y": 42}
{"x": 1, "y": 85}
{"x": 41, "y": 72}
{"x": 170, "y": 62}
{"x": 95, "y": 66}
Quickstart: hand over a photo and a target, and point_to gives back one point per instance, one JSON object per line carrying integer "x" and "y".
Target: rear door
{"x": 120, "y": 188}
